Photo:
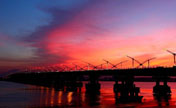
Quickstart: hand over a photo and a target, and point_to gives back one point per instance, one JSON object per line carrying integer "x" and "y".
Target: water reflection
{"x": 52, "y": 97}
{"x": 43, "y": 97}
{"x": 92, "y": 99}
{"x": 59, "y": 96}
{"x": 162, "y": 100}
{"x": 46, "y": 96}
{"x": 49, "y": 97}
{"x": 69, "y": 97}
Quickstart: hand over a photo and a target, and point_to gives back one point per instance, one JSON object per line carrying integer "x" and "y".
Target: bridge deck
{"x": 133, "y": 72}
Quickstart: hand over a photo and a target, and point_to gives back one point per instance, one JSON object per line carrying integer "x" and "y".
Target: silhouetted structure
{"x": 124, "y": 81}
{"x": 174, "y": 54}
{"x": 125, "y": 89}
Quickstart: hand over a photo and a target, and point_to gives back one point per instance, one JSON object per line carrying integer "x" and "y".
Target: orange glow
{"x": 95, "y": 32}
{"x": 60, "y": 93}
{"x": 52, "y": 97}
{"x": 69, "y": 97}
{"x": 113, "y": 48}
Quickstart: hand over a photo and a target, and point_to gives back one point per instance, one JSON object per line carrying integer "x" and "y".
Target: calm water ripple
{"x": 14, "y": 95}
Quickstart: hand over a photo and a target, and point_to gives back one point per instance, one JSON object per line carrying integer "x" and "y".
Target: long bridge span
{"x": 124, "y": 80}
{"x": 158, "y": 71}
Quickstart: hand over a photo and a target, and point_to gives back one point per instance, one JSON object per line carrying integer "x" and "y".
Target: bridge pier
{"x": 125, "y": 89}
{"x": 162, "y": 99}
{"x": 93, "y": 85}
{"x": 59, "y": 83}
{"x": 161, "y": 89}
{"x": 72, "y": 83}
{"x": 73, "y": 86}
{"x": 66, "y": 82}
{"x": 48, "y": 80}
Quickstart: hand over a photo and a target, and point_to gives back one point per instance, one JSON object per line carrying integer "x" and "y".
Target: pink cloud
{"x": 83, "y": 37}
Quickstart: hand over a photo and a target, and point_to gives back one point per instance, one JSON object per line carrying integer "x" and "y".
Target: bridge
{"x": 124, "y": 80}
{"x": 70, "y": 79}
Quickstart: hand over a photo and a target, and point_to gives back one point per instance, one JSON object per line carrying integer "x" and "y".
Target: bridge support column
{"x": 59, "y": 85}
{"x": 49, "y": 80}
{"x": 126, "y": 91}
{"x": 73, "y": 83}
{"x": 58, "y": 82}
{"x": 93, "y": 86}
{"x": 161, "y": 89}
{"x": 74, "y": 86}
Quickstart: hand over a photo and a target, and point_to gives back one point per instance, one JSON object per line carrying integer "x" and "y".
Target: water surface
{"x": 14, "y": 95}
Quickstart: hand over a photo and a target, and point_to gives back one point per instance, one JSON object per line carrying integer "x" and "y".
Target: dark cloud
{"x": 16, "y": 60}
{"x": 59, "y": 17}
{"x": 39, "y": 38}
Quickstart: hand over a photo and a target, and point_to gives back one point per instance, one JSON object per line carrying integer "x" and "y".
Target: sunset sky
{"x": 48, "y": 32}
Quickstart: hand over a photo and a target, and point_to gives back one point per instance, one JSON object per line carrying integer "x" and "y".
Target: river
{"x": 15, "y": 95}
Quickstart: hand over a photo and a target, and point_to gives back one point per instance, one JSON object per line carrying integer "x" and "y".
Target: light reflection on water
{"x": 13, "y": 95}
